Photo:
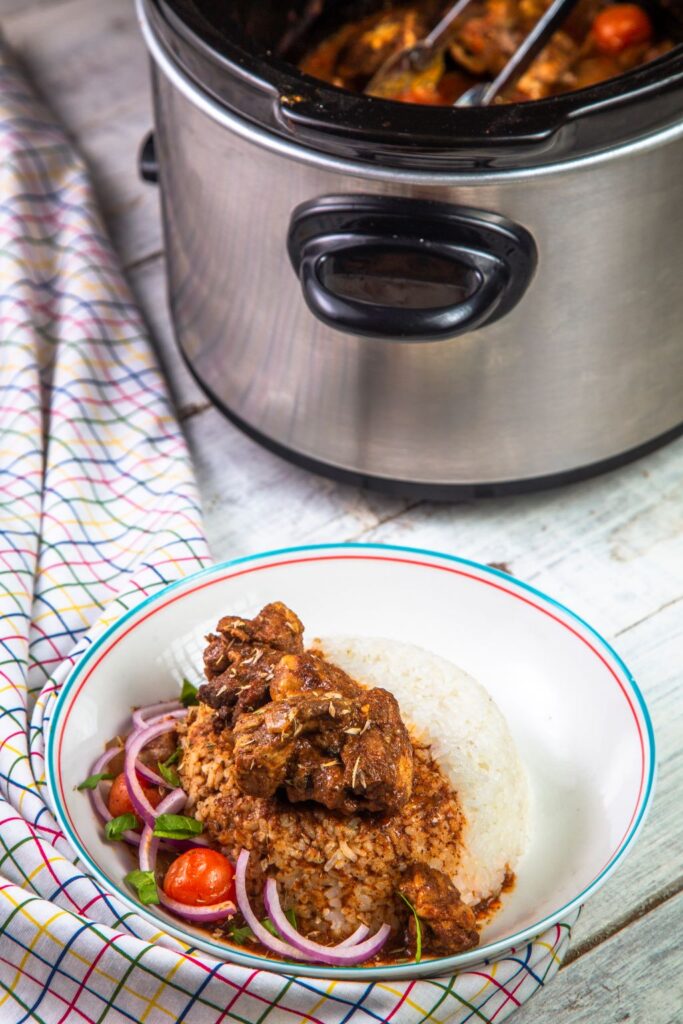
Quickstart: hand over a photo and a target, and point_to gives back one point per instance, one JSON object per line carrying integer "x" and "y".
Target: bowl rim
{"x": 432, "y": 967}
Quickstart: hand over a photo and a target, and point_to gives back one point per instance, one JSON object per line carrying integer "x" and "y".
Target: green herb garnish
{"x": 241, "y": 935}
{"x": 144, "y": 884}
{"x": 245, "y": 934}
{"x": 188, "y": 694}
{"x": 177, "y": 826}
{"x": 93, "y": 781}
{"x": 168, "y": 774}
{"x": 174, "y": 758}
{"x": 418, "y": 928}
{"x": 115, "y": 828}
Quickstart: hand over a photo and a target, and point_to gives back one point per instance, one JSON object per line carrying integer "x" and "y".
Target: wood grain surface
{"x": 611, "y": 548}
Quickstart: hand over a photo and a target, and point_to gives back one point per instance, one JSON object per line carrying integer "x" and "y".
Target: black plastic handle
{"x": 483, "y": 260}
{"x": 148, "y": 165}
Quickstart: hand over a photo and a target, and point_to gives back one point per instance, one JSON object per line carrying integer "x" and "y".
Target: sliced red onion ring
{"x": 136, "y": 742}
{"x": 149, "y": 776}
{"x": 262, "y": 934}
{"x": 361, "y": 931}
{"x": 149, "y": 845}
{"x": 338, "y": 956}
{"x": 97, "y": 800}
{"x": 170, "y": 717}
{"x": 142, "y": 716}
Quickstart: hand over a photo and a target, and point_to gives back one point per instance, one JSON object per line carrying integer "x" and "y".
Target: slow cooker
{"x": 435, "y": 301}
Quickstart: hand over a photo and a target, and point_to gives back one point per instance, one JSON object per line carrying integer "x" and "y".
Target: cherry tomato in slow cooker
{"x": 119, "y": 801}
{"x": 200, "y": 877}
{"x": 620, "y": 26}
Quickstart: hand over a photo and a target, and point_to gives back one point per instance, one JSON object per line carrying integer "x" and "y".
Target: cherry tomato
{"x": 200, "y": 877}
{"x": 620, "y": 26}
{"x": 119, "y": 801}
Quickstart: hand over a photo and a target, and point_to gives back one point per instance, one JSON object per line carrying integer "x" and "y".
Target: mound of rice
{"x": 467, "y": 816}
{"x": 469, "y": 740}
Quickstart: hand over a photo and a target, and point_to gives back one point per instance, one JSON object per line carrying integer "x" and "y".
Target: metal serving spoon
{"x": 483, "y": 93}
{"x": 390, "y": 78}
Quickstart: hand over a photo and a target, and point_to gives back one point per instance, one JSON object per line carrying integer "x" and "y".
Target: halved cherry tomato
{"x": 620, "y": 26}
{"x": 119, "y": 801}
{"x": 200, "y": 877}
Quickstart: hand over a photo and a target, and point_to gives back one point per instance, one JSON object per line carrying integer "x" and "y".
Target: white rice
{"x": 469, "y": 739}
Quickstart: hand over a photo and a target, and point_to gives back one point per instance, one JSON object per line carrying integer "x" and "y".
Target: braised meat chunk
{"x": 296, "y": 744}
{"x": 449, "y": 925}
{"x": 300, "y": 726}
{"x": 346, "y": 748}
{"x": 241, "y": 657}
{"x": 306, "y": 673}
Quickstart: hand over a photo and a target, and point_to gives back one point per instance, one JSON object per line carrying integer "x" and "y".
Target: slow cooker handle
{"x": 339, "y": 245}
{"x": 375, "y": 319}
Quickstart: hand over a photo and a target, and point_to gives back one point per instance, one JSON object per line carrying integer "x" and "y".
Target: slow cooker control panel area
{"x": 407, "y": 269}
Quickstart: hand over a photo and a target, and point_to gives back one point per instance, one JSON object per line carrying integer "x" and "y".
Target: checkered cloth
{"x": 98, "y": 509}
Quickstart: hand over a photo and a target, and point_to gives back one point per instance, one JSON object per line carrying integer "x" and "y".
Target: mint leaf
{"x": 188, "y": 694}
{"x": 177, "y": 826}
{"x": 93, "y": 781}
{"x": 168, "y": 774}
{"x": 144, "y": 884}
{"x": 115, "y": 828}
{"x": 174, "y": 758}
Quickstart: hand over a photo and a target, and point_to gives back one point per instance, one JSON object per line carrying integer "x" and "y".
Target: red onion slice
{"x": 97, "y": 800}
{"x": 149, "y": 845}
{"x": 361, "y": 931}
{"x": 136, "y": 742}
{"x": 150, "y": 776}
{"x": 142, "y": 716}
{"x": 262, "y": 934}
{"x": 169, "y": 718}
{"x": 338, "y": 956}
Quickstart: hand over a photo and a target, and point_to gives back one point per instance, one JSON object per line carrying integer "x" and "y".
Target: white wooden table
{"x": 611, "y": 548}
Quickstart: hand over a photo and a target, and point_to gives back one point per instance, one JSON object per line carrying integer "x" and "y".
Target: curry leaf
{"x": 93, "y": 781}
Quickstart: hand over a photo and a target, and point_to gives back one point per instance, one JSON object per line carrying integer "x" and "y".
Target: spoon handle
{"x": 529, "y": 49}
{"x": 441, "y": 30}
{"x": 418, "y": 55}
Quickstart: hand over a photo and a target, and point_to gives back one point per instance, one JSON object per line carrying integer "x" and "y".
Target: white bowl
{"x": 579, "y": 720}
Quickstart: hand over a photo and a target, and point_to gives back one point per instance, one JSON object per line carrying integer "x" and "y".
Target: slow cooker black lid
{"x": 219, "y": 45}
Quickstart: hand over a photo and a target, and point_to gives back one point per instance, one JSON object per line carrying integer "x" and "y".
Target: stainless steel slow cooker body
{"x": 572, "y": 361}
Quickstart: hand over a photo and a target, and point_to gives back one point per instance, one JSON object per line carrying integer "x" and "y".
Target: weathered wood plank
{"x": 611, "y": 548}
{"x": 636, "y": 976}
{"x": 12, "y": 6}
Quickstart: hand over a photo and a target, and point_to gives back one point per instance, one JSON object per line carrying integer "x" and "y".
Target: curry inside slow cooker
{"x": 258, "y": 61}
{"x": 597, "y": 40}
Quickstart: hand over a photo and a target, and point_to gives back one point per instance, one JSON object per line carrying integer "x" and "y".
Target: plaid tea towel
{"x": 98, "y": 508}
